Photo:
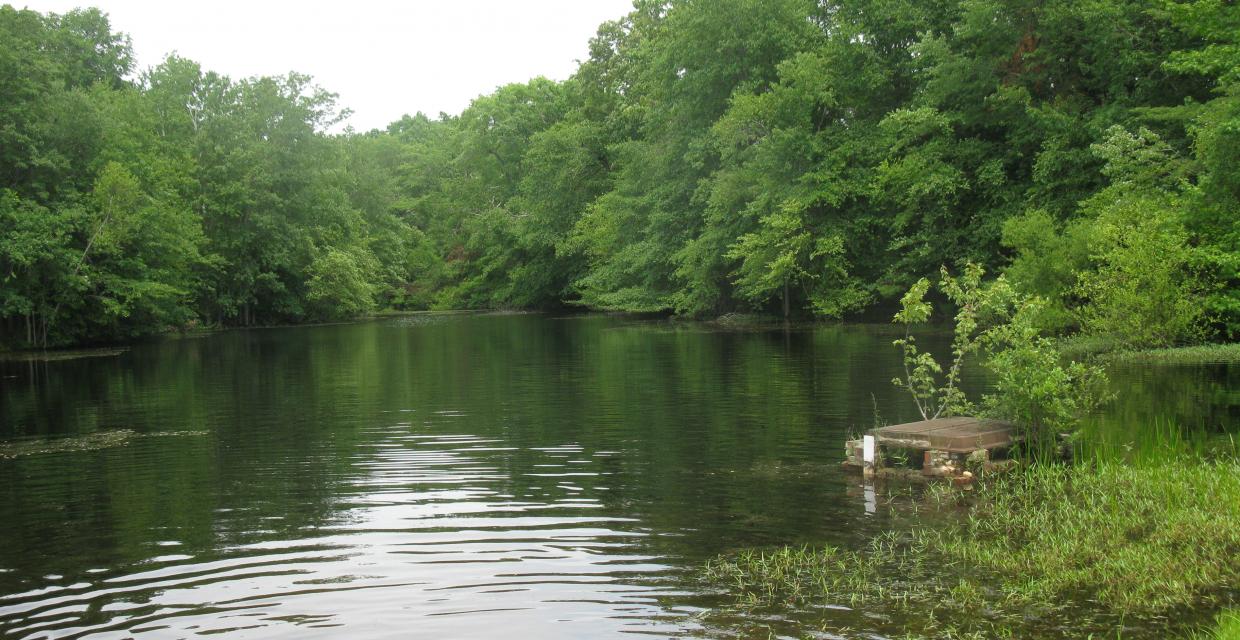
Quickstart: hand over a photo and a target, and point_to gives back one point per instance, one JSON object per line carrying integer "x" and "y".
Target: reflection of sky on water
{"x": 429, "y": 535}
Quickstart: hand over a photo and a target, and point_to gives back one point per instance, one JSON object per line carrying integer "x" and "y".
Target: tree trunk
{"x": 786, "y": 308}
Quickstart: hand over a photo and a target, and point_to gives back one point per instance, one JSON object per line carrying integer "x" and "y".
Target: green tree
{"x": 1144, "y": 291}
{"x": 1126, "y": 269}
{"x": 340, "y": 285}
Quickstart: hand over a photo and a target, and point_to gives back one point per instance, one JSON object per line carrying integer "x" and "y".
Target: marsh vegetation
{"x": 1101, "y": 545}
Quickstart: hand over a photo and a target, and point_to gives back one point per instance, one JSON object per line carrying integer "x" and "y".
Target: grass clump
{"x": 1141, "y": 539}
{"x": 1111, "y": 541}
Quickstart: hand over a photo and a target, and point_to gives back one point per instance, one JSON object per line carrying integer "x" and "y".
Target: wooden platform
{"x": 953, "y": 435}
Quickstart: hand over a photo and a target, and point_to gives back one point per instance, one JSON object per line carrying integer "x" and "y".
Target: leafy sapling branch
{"x": 1032, "y": 386}
{"x": 921, "y": 370}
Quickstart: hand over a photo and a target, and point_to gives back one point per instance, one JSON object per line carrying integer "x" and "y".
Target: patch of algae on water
{"x": 89, "y": 442}
{"x": 56, "y": 356}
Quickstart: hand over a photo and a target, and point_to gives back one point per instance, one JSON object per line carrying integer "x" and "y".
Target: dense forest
{"x": 788, "y": 157}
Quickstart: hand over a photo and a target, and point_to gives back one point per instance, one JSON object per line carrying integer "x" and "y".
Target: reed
{"x": 1158, "y": 442}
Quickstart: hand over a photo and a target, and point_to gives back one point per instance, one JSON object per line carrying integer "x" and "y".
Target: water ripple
{"x": 425, "y": 526}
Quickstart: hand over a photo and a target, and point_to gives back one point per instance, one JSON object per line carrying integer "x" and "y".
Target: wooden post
{"x": 868, "y": 455}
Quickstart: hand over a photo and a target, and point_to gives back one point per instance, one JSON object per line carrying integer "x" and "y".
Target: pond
{"x": 452, "y": 475}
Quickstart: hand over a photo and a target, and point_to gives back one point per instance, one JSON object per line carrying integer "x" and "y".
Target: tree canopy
{"x": 791, "y": 157}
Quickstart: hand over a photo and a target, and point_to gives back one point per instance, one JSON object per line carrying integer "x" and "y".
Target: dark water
{"x": 444, "y": 476}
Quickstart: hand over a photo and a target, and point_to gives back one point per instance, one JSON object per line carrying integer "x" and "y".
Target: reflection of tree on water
{"x": 1190, "y": 394}
{"x": 647, "y": 446}
{"x": 1196, "y": 404}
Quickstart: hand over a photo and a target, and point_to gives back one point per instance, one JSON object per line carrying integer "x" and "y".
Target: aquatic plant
{"x": 87, "y": 442}
{"x": 1142, "y": 541}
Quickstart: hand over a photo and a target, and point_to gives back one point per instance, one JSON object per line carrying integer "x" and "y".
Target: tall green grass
{"x": 1118, "y": 540}
{"x": 1141, "y": 539}
{"x": 1226, "y": 627}
{"x": 1160, "y": 441}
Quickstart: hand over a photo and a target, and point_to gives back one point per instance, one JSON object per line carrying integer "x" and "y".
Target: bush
{"x": 1143, "y": 290}
{"x": 1034, "y": 386}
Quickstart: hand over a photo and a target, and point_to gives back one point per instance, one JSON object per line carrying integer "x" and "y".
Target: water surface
{"x": 446, "y": 475}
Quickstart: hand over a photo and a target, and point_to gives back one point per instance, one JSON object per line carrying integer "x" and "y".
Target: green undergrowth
{"x": 1200, "y": 354}
{"x": 1105, "y": 541}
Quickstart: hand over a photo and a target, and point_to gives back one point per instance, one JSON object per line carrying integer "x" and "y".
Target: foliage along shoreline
{"x": 786, "y": 158}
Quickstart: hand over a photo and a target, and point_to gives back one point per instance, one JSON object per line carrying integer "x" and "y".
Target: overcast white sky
{"x": 384, "y": 58}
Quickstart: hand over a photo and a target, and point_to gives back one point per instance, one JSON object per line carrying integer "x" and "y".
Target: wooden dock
{"x": 954, "y": 435}
{"x": 949, "y": 445}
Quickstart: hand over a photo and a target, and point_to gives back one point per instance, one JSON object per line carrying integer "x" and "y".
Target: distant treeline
{"x": 781, "y": 156}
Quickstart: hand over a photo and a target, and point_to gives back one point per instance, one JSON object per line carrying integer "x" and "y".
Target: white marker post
{"x": 867, "y": 455}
